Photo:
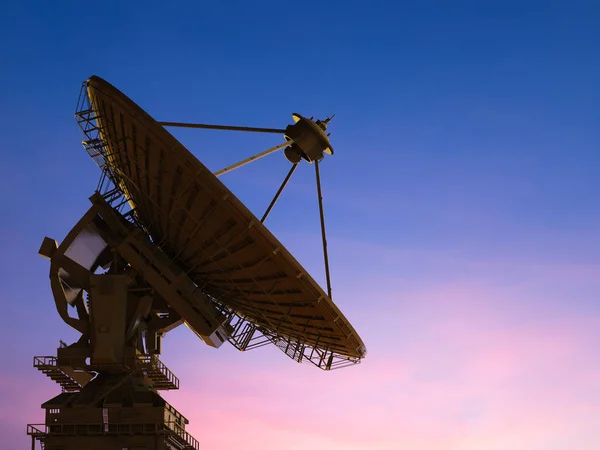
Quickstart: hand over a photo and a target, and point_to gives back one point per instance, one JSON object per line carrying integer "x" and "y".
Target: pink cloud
{"x": 468, "y": 374}
{"x": 450, "y": 366}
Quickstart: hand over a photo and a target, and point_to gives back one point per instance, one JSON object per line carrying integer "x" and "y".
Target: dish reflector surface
{"x": 190, "y": 214}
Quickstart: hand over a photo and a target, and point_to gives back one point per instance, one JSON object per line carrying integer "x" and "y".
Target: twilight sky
{"x": 462, "y": 208}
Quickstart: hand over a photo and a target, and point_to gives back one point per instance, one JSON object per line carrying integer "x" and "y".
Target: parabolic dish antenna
{"x": 226, "y": 251}
{"x": 166, "y": 243}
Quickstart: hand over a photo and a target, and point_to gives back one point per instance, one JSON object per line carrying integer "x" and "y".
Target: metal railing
{"x": 48, "y": 365}
{"x": 171, "y": 430}
{"x": 151, "y": 365}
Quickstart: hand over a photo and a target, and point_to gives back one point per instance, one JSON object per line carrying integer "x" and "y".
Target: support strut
{"x": 252, "y": 158}
{"x": 323, "y": 235}
{"x": 221, "y": 127}
{"x": 279, "y": 191}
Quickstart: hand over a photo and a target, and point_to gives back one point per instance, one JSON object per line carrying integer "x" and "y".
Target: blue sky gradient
{"x": 461, "y": 204}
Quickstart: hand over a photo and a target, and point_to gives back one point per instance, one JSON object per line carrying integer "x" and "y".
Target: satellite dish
{"x": 166, "y": 243}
